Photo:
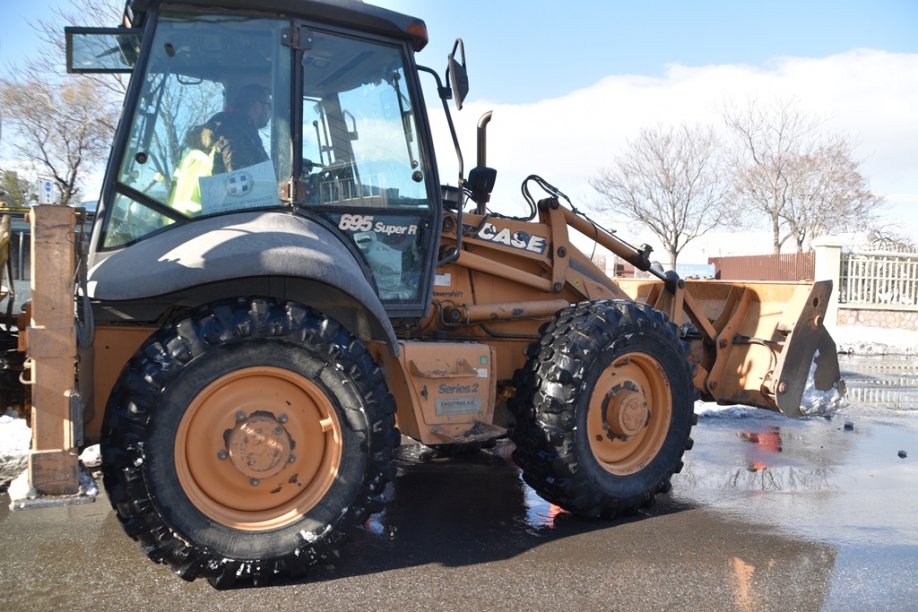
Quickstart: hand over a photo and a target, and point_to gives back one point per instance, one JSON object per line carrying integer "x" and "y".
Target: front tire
{"x": 244, "y": 440}
{"x": 604, "y": 409}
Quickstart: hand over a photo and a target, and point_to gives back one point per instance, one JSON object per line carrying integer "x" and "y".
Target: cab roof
{"x": 349, "y": 13}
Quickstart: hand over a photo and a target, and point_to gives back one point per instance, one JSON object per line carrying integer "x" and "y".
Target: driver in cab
{"x": 228, "y": 141}
{"x": 235, "y": 131}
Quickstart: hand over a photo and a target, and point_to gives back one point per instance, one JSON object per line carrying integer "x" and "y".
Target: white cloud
{"x": 869, "y": 95}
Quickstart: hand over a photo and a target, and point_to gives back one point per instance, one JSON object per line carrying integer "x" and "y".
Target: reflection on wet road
{"x": 840, "y": 480}
{"x": 888, "y": 382}
{"x": 769, "y": 513}
{"x": 464, "y": 512}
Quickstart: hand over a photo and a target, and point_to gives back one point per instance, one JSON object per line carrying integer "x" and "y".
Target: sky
{"x": 570, "y": 83}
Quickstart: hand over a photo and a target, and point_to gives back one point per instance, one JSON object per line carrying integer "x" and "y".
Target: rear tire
{"x": 244, "y": 440}
{"x": 604, "y": 408}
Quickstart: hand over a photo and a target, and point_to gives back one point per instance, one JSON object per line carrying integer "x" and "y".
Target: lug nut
{"x": 222, "y": 454}
{"x": 291, "y": 459}
{"x": 282, "y": 418}
{"x": 254, "y": 482}
{"x": 240, "y": 416}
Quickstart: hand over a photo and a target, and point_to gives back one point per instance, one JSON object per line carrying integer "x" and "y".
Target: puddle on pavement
{"x": 752, "y": 450}
{"x": 540, "y": 514}
{"x": 775, "y": 454}
{"x": 767, "y": 453}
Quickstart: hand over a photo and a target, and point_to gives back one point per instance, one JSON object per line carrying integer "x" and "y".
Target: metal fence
{"x": 879, "y": 279}
{"x": 780, "y": 267}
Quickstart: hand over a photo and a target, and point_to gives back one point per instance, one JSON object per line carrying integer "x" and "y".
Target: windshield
{"x": 206, "y": 126}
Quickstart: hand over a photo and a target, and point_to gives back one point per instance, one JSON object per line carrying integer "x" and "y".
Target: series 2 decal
{"x": 448, "y": 389}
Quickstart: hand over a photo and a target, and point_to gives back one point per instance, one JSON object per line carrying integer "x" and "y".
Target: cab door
{"x": 366, "y": 163}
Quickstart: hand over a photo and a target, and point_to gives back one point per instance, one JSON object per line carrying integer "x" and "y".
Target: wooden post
{"x": 51, "y": 338}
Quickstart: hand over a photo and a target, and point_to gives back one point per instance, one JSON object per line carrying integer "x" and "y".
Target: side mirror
{"x": 458, "y": 77}
{"x": 102, "y": 50}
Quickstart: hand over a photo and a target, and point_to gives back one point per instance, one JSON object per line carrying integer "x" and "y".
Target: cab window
{"x": 360, "y": 142}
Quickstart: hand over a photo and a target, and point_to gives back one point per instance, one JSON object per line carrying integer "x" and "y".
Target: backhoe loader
{"x": 249, "y": 348}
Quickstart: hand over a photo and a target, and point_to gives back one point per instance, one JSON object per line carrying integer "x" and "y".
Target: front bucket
{"x": 754, "y": 343}
{"x": 808, "y": 345}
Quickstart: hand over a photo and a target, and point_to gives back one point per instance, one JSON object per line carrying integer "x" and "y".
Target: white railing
{"x": 881, "y": 279}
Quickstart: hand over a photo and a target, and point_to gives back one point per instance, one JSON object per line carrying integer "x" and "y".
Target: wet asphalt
{"x": 769, "y": 513}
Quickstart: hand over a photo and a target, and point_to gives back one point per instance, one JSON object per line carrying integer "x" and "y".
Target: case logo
{"x": 517, "y": 240}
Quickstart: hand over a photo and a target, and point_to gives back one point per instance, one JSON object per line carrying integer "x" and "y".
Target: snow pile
{"x": 15, "y": 438}
{"x": 854, "y": 340}
{"x": 819, "y": 403}
{"x": 91, "y": 456}
{"x": 708, "y": 410}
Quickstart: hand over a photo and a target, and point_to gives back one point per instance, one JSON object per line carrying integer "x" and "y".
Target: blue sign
{"x": 45, "y": 191}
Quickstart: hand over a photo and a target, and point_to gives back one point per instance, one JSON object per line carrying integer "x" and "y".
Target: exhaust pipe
{"x": 483, "y": 139}
{"x": 482, "y": 197}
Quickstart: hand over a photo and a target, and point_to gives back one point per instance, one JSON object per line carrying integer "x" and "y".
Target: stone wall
{"x": 887, "y": 319}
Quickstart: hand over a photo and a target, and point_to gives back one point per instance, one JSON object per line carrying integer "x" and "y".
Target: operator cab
{"x": 233, "y": 112}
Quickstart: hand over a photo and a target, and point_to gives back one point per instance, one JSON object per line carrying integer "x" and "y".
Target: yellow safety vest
{"x": 186, "y": 196}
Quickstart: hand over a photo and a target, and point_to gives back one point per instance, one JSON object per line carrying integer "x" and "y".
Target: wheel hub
{"x": 625, "y": 412}
{"x": 259, "y": 446}
{"x": 285, "y": 440}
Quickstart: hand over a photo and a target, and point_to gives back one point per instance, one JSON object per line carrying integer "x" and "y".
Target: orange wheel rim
{"x": 630, "y": 412}
{"x": 258, "y": 448}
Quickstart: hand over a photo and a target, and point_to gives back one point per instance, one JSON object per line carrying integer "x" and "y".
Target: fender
{"x": 235, "y": 246}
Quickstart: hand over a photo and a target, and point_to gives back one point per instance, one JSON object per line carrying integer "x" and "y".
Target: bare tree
{"x": 887, "y": 237}
{"x": 804, "y": 181}
{"x": 61, "y": 128}
{"x": 50, "y": 59}
{"x": 828, "y": 194}
{"x": 62, "y": 122}
{"x": 771, "y": 140}
{"x": 669, "y": 180}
